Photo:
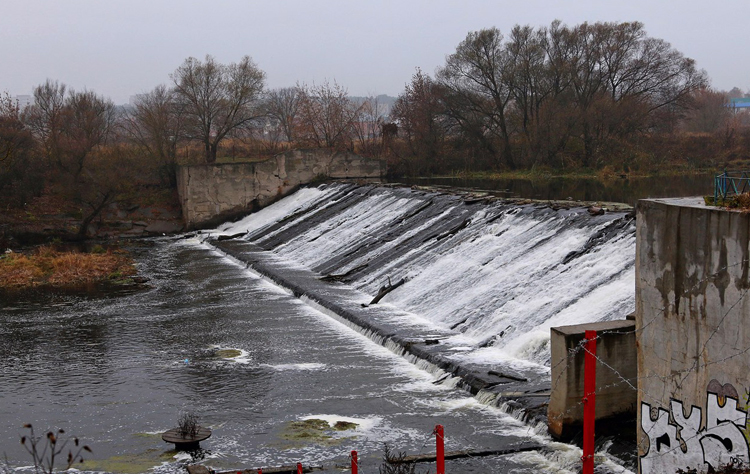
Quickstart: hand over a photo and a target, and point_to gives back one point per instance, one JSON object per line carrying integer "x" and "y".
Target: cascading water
{"x": 484, "y": 282}
{"x": 498, "y": 274}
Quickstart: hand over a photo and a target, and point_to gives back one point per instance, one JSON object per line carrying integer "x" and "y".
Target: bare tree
{"x": 419, "y": 113}
{"x": 622, "y": 79}
{"x": 74, "y": 128}
{"x": 69, "y": 125}
{"x": 596, "y": 84}
{"x": 157, "y": 125}
{"x": 45, "y": 117}
{"x": 474, "y": 75}
{"x": 100, "y": 184}
{"x": 89, "y": 122}
{"x": 367, "y": 123}
{"x": 21, "y": 174}
{"x": 218, "y": 98}
{"x": 530, "y": 86}
{"x": 326, "y": 114}
{"x": 283, "y": 105}
{"x": 14, "y": 137}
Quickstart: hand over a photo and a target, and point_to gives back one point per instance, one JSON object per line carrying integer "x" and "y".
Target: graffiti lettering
{"x": 679, "y": 443}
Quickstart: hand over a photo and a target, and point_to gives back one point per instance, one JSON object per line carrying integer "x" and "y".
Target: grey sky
{"x": 120, "y": 48}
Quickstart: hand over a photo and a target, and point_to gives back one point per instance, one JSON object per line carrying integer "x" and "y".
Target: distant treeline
{"x": 587, "y": 96}
{"x": 601, "y": 96}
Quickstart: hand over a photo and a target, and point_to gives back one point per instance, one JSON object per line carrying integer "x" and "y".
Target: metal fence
{"x": 730, "y": 184}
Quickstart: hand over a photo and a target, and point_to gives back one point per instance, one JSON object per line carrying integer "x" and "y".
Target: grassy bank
{"x": 48, "y": 267}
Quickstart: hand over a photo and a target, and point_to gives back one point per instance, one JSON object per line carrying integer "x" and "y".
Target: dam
{"x": 493, "y": 276}
{"x": 261, "y": 324}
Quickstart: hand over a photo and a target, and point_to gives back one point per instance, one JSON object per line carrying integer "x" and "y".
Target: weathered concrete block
{"x": 616, "y": 375}
{"x": 692, "y": 309}
{"x": 210, "y": 193}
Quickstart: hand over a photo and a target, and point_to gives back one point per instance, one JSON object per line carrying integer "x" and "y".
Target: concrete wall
{"x": 210, "y": 194}
{"x": 692, "y": 280}
{"x": 615, "y": 397}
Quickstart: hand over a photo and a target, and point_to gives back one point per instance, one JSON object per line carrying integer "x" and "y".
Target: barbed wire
{"x": 644, "y": 395}
{"x": 635, "y": 384}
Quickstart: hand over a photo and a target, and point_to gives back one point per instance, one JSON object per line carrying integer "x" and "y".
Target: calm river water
{"x": 248, "y": 359}
{"x": 626, "y": 191}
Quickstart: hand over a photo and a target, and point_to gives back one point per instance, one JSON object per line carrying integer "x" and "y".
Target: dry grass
{"x": 738, "y": 201}
{"x": 48, "y": 267}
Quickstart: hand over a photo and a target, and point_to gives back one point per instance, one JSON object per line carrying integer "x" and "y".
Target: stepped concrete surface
{"x": 385, "y": 324}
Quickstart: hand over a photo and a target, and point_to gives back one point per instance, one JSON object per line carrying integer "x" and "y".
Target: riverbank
{"x": 51, "y": 218}
{"x": 50, "y": 268}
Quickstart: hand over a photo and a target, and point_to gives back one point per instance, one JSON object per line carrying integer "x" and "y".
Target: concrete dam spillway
{"x": 266, "y": 328}
{"x": 476, "y": 283}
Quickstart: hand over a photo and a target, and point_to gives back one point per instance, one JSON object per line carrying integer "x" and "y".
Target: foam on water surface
{"x": 268, "y": 215}
{"x": 502, "y": 279}
{"x": 363, "y": 424}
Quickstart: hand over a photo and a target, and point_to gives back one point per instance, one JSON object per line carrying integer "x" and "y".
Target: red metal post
{"x": 299, "y": 468}
{"x": 440, "y": 449}
{"x": 355, "y": 467}
{"x": 589, "y": 402}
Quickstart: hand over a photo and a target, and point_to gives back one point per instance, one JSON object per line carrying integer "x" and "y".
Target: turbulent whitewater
{"x": 497, "y": 274}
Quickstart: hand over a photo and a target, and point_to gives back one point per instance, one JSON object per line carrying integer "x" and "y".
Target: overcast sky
{"x": 119, "y": 48}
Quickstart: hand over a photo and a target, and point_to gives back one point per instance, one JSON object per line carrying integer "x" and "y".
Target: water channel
{"x": 246, "y": 357}
{"x": 252, "y": 361}
{"x": 624, "y": 190}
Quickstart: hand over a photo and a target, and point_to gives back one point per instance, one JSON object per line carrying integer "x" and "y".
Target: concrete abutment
{"x": 212, "y": 194}
{"x": 690, "y": 343}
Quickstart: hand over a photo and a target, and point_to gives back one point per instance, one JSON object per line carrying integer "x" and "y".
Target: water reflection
{"x": 113, "y": 371}
{"x": 627, "y": 191}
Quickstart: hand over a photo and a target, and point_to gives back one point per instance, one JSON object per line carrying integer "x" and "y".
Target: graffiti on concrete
{"x": 678, "y": 442}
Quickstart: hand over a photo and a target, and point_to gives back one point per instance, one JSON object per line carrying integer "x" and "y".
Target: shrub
{"x": 188, "y": 425}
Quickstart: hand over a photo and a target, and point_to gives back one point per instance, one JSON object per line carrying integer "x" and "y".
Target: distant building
{"x": 24, "y": 101}
{"x": 740, "y": 103}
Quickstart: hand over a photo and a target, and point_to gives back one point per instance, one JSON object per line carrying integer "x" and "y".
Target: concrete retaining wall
{"x": 615, "y": 397}
{"x": 210, "y": 194}
{"x": 692, "y": 281}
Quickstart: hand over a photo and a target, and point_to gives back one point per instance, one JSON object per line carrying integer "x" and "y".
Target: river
{"x": 623, "y": 190}
{"x": 252, "y": 361}
{"x": 117, "y": 371}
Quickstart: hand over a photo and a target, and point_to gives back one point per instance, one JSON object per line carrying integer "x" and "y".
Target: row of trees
{"x": 61, "y": 145}
{"x": 209, "y": 102}
{"x": 82, "y": 147}
{"x": 557, "y": 95}
{"x": 590, "y": 95}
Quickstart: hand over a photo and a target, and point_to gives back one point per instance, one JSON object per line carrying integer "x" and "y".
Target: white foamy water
{"x": 363, "y": 424}
{"x": 301, "y": 366}
{"x": 503, "y": 281}
{"x": 296, "y": 202}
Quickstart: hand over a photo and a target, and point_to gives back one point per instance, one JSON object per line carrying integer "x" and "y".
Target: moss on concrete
{"x": 313, "y": 431}
{"x": 228, "y": 353}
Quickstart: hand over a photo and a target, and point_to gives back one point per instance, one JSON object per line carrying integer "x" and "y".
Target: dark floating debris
{"x": 230, "y": 237}
{"x": 385, "y": 289}
{"x": 507, "y": 376}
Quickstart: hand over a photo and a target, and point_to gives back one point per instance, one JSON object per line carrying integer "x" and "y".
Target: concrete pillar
{"x": 616, "y": 372}
{"x": 692, "y": 309}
